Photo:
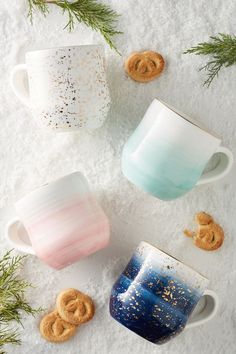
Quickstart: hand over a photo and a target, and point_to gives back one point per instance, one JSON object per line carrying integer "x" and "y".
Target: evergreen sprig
{"x": 221, "y": 49}
{"x": 8, "y": 337}
{"x": 12, "y": 298}
{"x": 98, "y": 16}
{"x": 40, "y": 5}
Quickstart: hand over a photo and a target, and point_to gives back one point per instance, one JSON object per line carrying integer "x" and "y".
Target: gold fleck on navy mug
{"x": 156, "y": 294}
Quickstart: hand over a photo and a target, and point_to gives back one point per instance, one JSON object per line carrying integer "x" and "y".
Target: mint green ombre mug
{"x": 167, "y": 153}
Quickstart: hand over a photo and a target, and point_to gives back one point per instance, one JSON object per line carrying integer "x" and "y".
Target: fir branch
{"x": 98, "y": 16}
{"x": 222, "y": 50}
{"x": 8, "y": 337}
{"x": 12, "y": 298}
{"x": 40, "y": 5}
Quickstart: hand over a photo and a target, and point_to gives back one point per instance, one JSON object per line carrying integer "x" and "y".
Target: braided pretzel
{"x": 203, "y": 218}
{"x": 209, "y": 235}
{"x": 74, "y": 306}
{"x": 54, "y": 329}
{"x": 144, "y": 66}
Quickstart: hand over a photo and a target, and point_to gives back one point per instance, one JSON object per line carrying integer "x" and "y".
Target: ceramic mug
{"x": 156, "y": 294}
{"x": 67, "y": 86}
{"x": 167, "y": 153}
{"x": 63, "y": 220}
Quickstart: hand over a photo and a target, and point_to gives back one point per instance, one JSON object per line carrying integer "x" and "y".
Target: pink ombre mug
{"x": 63, "y": 220}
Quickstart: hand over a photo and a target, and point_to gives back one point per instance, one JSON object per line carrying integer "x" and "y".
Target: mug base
{"x": 50, "y": 261}
{"x": 138, "y": 330}
{"x": 69, "y": 129}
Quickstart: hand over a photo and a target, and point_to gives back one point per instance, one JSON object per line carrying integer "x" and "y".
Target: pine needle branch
{"x": 221, "y": 49}
{"x": 98, "y": 16}
{"x": 12, "y": 298}
{"x": 39, "y": 5}
{"x": 8, "y": 337}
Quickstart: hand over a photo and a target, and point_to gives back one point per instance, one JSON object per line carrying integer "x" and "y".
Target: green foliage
{"x": 12, "y": 298}
{"x": 99, "y": 17}
{"x": 37, "y": 5}
{"x": 8, "y": 336}
{"x": 222, "y": 52}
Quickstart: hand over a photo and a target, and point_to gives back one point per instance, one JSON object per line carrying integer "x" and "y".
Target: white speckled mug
{"x": 67, "y": 87}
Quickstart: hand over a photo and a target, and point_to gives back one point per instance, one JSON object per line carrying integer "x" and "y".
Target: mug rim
{"x": 174, "y": 259}
{"x": 46, "y": 50}
{"x": 50, "y": 183}
{"x": 190, "y": 120}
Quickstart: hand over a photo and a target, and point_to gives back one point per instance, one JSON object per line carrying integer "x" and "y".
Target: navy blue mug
{"x": 156, "y": 294}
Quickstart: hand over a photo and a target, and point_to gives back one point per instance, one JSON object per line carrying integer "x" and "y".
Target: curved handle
{"x": 14, "y": 232}
{"x": 208, "y": 311}
{"x": 18, "y": 84}
{"x": 221, "y": 170}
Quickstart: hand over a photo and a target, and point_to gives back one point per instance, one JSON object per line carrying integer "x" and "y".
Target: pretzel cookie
{"x": 203, "y": 218}
{"x": 74, "y": 306}
{"x": 54, "y": 329}
{"x": 144, "y": 66}
{"x": 209, "y": 235}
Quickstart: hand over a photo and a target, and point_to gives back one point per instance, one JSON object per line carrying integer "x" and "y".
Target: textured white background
{"x": 30, "y": 156}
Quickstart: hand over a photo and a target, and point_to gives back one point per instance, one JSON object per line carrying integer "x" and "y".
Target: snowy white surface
{"x": 31, "y": 156}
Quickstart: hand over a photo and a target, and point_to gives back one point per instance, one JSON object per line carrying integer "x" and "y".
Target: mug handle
{"x": 208, "y": 312}
{"x": 13, "y": 237}
{"x": 221, "y": 170}
{"x": 17, "y": 83}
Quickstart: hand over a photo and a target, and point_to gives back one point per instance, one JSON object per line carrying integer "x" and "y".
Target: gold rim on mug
{"x": 45, "y": 50}
{"x": 187, "y": 118}
{"x": 176, "y": 259}
{"x": 50, "y": 183}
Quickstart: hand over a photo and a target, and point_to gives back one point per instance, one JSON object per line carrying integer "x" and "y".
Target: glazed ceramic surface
{"x": 156, "y": 294}
{"x": 68, "y": 87}
{"x": 64, "y": 221}
{"x": 167, "y": 153}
